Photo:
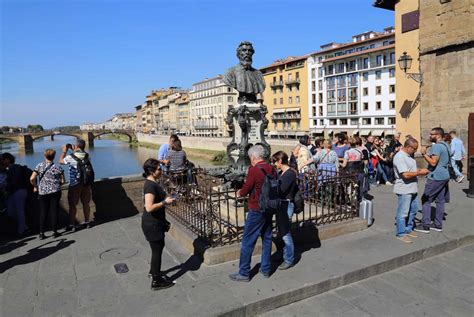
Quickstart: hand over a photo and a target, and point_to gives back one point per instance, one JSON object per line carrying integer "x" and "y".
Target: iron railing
{"x": 205, "y": 207}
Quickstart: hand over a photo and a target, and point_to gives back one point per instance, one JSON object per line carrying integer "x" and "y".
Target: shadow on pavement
{"x": 35, "y": 254}
{"x": 192, "y": 264}
{"x": 10, "y": 246}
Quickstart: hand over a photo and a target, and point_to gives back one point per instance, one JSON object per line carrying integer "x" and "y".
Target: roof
{"x": 349, "y": 44}
{"x": 376, "y": 49}
{"x": 385, "y": 4}
{"x": 285, "y": 60}
{"x": 209, "y": 79}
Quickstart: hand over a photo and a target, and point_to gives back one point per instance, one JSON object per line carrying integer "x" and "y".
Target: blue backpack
{"x": 270, "y": 199}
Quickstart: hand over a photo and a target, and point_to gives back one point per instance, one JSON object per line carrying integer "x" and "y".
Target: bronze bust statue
{"x": 247, "y": 80}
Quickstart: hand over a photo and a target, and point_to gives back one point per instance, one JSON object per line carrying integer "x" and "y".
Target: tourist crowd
{"x": 273, "y": 188}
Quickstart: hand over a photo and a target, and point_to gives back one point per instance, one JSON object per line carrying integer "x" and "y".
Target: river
{"x": 109, "y": 157}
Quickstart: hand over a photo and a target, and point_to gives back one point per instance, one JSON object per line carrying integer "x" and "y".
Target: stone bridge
{"x": 25, "y": 140}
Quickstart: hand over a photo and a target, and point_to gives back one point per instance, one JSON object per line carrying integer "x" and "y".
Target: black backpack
{"x": 270, "y": 199}
{"x": 85, "y": 169}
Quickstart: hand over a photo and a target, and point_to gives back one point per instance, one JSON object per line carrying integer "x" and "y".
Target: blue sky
{"x": 68, "y": 62}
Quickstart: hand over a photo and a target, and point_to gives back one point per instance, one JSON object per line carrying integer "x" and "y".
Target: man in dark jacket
{"x": 257, "y": 223}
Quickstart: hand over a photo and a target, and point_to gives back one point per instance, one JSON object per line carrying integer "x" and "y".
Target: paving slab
{"x": 33, "y": 272}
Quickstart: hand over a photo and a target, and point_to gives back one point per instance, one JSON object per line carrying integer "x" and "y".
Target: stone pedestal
{"x": 248, "y": 122}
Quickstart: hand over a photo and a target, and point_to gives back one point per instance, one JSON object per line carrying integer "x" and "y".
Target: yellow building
{"x": 286, "y": 97}
{"x": 407, "y": 91}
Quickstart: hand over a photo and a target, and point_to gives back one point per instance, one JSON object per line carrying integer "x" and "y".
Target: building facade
{"x": 183, "y": 115}
{"x": 286, "y": 97}
{"x": 352, "y": 86}
{"x": 209, "y": 101}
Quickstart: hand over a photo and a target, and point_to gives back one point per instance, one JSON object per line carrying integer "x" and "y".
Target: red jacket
{"x": 254, "y": 182}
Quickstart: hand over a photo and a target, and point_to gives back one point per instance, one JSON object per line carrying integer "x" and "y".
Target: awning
{"x": 300, "y": 133}
{"x": 377, "y": 132}
{"x": 293, "y": 109}
{"x": 272, "y": 133}
{"x": 365, "y": 132}
{"x": 355, "y": 132}
{"x": 318, "y": 131}
{"x": 278, "y": 111}
{"x": 389, "y": 132}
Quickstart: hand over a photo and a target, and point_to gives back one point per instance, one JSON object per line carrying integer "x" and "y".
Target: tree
{"x": 33, "y": 128}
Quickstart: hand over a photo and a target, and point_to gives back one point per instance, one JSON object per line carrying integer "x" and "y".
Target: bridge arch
{"x": 36, "y": 137}
{"x": 10, "y": 138}
{"x": 130, "y": 137}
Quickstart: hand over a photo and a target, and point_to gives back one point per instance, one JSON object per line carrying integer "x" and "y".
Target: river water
{"x": 109, "y": 157}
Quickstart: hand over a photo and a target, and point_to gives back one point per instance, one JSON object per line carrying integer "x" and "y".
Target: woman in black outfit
{"x": 288, "y": 189}
{"x": 154, "y": 223}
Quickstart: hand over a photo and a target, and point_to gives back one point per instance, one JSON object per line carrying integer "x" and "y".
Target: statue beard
{"x": 246, "y": 62}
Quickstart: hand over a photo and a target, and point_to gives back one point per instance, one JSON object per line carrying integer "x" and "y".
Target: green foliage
{"x": 33, "y": 128}
{"x": 220, "y": 158}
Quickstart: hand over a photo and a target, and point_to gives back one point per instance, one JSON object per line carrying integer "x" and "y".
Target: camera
{"x": 68, "y": 146}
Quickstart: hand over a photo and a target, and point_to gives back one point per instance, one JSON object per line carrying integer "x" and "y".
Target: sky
{"x": 67, "y": 62}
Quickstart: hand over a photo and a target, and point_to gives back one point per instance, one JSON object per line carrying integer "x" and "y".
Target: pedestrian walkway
{"x": 440, "y": 286}
{"x": 74, "y": 275}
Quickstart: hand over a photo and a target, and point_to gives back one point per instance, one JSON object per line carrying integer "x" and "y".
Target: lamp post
{"x": 405, "y": 63}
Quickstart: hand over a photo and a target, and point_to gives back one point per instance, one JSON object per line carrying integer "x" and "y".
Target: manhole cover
{"x": 117, "y": 254}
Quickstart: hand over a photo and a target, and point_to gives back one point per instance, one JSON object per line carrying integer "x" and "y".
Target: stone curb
{"x": 270, "y": 303}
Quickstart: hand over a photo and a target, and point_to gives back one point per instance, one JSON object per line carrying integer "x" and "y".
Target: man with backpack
{"x": 81, "y": 177}
{"x": 436, "y": 187}
{"x": 259, "y": 218}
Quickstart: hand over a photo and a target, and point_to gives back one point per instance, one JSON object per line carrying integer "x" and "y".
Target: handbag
{"x": 452, "y": 173}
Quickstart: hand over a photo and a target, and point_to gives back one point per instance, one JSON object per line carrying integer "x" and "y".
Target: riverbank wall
{"x": 212, "y": 144}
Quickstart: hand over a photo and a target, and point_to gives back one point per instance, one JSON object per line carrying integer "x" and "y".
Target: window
{"x": 313, "y": 85}
{"x": 391, "y": 120}
{"x": 392, "y": 58}
{"x": 341, "y": 81}
{"x": 321, "y": 111}
{"x": 341, "y": 95}
{"x": 392, "y": 104}
{"x": 378, "y": 74}
{"x": 366, "y": 63}
{"x": 379, "y": 121}
{"x": 321, "y": 122}
{"x": 281, "y": 101}
{"x": 391, "y": 72}
{"x": 378, "y": 60}
{"x": 354, "y": 121}
{"x": 290, "y": 100}
{"x": 313, "y": 73}
{"x": 331, "y": 96}
{"x": 274, "y": 101}
{"x": 320, "y": 85}
{"x": 229, "y": 89}
{"x": 378, "y": 105}
{"x": 331, "y": 82}
{"x": 331, "y": 109}
{"x": 320, "y": 71}
{"x": 314, "y": 112}
{"x": 366, "y": 106}
{"x": 290, "y": 77}
{"x": 392, "y": 89}
{"x": 320, "y": 97}
{"x": 352, "y": 93}
{"x": 365, "y": 91}
{"x": 315, "y": 122}
{"x": 297, "y": 75}
{"x": 365, "y": 76}
{"x": 343, "y": 121}
{"x": 340, "y": 68}
{"x": 313, "y": 98}
{"x": 378, "y": 90}
{"x": 351, "y": 66}
{"x": 352, "y": 107}
{"x": 332, "y": 122}
{"x": 367, "y": 121}
{"x": 330, "y": 69}
{"x": 297, "y": 99}
{"x": 230, "y": 98}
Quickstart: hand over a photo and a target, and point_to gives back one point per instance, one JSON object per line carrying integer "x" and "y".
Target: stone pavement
{"x": 440, "y": 286}
{"x": 74, "y": 276}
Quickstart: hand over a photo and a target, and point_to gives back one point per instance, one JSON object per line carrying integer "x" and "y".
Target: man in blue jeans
{"x": 406, "y": 189}
{"x": 258, "y": 223}
{"x": 437, "y": 184}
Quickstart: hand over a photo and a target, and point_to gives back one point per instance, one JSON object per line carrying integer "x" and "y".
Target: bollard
{"x": 470, "y": 192}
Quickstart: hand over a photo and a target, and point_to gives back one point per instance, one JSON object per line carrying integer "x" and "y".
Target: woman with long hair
{"x": 288, "y": 189}
{"x": 154, "y": 223}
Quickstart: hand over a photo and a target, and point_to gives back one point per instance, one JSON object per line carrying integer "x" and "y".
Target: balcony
{"x": 290, "y": 82}
{"x": 206, "y": 127}
{"x": 286, "y": 116}
{"x": 276, "y": 84}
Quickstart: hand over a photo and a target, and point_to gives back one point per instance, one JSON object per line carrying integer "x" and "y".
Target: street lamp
{"x": 405, "y": 63}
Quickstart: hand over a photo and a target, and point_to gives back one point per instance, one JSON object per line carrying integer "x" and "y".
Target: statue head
{"x": 245, "y": 52}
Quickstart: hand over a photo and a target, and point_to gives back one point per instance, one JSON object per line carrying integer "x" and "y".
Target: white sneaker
{"x": 459, "y": 179}
{"x": 388, "y": 183}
